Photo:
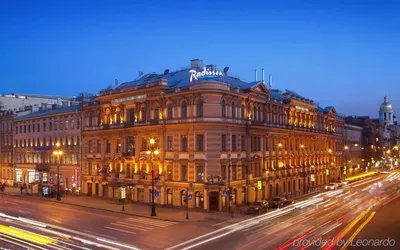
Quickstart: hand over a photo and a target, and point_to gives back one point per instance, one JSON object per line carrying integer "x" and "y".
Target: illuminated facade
{"x": 6, "y": 149}
{"x": 35, "y": 135}
{"x": 353, "y": 162}
{"x": 214, "y": 132}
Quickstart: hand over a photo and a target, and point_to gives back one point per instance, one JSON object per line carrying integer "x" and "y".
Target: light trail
{"x": 358, "y": 231}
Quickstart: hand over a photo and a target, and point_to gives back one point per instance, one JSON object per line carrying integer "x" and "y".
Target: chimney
{"x": 255, "y": 75}
{"x": 270, "y": 81}
{"x": 196, "y": 63}
{"x": 262, "y": 75}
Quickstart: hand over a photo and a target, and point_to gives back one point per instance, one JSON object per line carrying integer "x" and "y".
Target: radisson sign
{"x": 206, "y": 73}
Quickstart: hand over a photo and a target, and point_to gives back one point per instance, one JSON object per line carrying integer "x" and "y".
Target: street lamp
{"x": 153, "y": 151}
{"x": 58, "y": 152}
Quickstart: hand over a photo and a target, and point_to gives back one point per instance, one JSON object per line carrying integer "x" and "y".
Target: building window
{"x": 234, "y": 143}
{"x": 234, "y": 173}
{"x": 169, "y": 197}
{"x": 223, "y": 143}
{"x": 170, "y": 144}
{"x": 200, "y": 173}
{"x": 233, "y": 110}
{"x": 144, "y": 115}
{"x": 25, "y": 127}
{"x": 184, "y": 110}
{"x": 199, "y": 108}
{"x": 169, "y": 173}
{"x": 131, "y": 115}
{"x": 118, "y": 149}
{"x": 184, "y": 146}
{"x": 90, "y": 168}
{"x": 78, "y": 124}
{"x": 199, "y": 143}
{"x": 98, "y": 146}
{"x": 72, "y": 124}
{"x": 169, "y": 112}
{"x": 157, "y": 114}
{"x": 29, "y": 128}
{"x": 44, "y": 127}
{"x": 144, "y": 144}
{"x": 66, "y": 125}
{"x": 108, "y": 146}
{"x": 223, "y": 109}
{"x": 131, "y": 145}
{"x": 90, "y": 146}
{"x": 183, "y": 173}
{"x": 255, "y": 113}
{"x": 199, "y": 200}
{"x": 223, "y": 172}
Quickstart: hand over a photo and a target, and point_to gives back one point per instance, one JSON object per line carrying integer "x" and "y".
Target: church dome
{"x": 386, "y": 106}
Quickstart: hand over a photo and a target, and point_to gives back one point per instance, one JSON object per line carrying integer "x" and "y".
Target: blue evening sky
{"x": 340, "y": 53}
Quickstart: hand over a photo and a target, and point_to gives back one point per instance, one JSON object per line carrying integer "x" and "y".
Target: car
{"x": 278, "y": 202}
{"x": 340, "y": 183}
{"x": 258, "y": 207}
{"x": 331, "y": 186}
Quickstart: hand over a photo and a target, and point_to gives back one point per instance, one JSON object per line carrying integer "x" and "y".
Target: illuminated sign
{"x": 75, "y": 174}
{"x": 130, "y": 98}
{"x": 259, "y": 184}
{"x": 206, "y": 73}
{"x": 301, "y": 108}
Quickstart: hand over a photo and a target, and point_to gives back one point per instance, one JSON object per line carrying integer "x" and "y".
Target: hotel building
{"x": 216, "y": 134}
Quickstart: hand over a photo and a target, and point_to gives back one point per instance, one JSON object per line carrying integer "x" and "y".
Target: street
{"x": 329, "y": 220}
{"x": 75, "y": 227}
{"x": 332, "y": 219}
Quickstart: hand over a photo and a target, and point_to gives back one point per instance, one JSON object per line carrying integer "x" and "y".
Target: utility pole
{"x": 229, "y": 187}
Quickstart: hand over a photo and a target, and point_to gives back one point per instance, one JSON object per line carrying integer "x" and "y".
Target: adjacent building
{"x": 36, "y": 134}
{"x": 6, "y": 147}
{"x": 353, "y": 162}
{"x": 216, "y": 134}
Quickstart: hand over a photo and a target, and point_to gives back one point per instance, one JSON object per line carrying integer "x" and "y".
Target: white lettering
{"x": 194, "y": 75}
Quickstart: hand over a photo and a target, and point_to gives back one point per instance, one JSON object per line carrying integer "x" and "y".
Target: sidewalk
{"x": 143, "y": 210}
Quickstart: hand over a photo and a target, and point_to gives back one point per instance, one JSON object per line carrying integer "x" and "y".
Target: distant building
{"x": 18, "y": 102}
{"x": 353, "y": 148}
{"x": 35, "y": 135}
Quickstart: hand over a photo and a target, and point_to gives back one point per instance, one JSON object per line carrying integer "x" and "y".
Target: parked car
{"x": 278, "y": 202}
{"x": 331, "y": 186}
{"x": 258, "y": 207}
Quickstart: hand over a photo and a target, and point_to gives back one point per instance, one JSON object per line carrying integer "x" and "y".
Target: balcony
{"x": 128, "y": 154}
{"x": 43, "y": 166}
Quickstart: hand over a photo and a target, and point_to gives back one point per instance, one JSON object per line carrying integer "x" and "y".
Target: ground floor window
{"x": 18, "y": 176}
{"x": 169, "y": 197}
{"x": 31, "y": 176}
{"x": 140, "y": 194}
{"x": 199, "y": 201}
{"x": 244, "y": 194}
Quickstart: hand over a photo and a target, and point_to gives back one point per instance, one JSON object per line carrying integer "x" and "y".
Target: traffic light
{"x": 227, "y": 190}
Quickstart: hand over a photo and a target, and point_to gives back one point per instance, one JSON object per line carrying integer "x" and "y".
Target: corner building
{"x": 213, "y": 131}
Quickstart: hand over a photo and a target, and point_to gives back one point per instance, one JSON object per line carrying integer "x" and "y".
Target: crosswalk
{"x": 138, "y": 224}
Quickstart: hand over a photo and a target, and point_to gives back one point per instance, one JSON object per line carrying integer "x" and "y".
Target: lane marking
{"x": 120, "y": 230}
{"x": 128, "y": 226}
{"x": 358, "y": 231}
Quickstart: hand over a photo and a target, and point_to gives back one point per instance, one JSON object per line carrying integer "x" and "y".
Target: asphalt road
{"x": 329, "y": 221}
{"x": 383, "y": 232}
{"x": 76, "y": 227}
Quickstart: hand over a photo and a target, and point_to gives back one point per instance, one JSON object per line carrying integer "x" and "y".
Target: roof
{"x": 181, "y": 78}
{"x": 276, "y": 94}
{"x": 49, "y": 112}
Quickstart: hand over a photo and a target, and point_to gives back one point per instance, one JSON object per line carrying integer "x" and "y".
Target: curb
{"x": 101, "y": 209}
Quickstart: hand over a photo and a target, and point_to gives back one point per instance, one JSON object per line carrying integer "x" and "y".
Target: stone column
{"x": 162, "y": 196}
{"x": 206, "y": 200}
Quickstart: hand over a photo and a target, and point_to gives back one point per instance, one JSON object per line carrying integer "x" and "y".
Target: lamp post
{"x": 152, "y": 151}
{"x": 58, "y": 152}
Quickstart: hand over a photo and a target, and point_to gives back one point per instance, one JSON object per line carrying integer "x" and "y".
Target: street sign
{"x": 259, "y": 184}
{"x": 224, "y": 193}
{"x": 190, "y": 196}
{"x": 156, "y": 193}
{"x": 123, "y": 192}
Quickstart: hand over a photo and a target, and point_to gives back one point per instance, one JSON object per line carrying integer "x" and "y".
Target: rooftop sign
{"x": 206, "y": 73}
{"x": 130, "y": 98}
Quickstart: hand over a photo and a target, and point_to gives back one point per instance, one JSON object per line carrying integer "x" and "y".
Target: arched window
{"x": 223, "y": 108}
{"x": 169, "y": 112}
{"x": 156, "y": 114}
{"x": 242, "y": 112}
{"x": 169, "y": 197}
{"x": 233, "y": 110}
{"x": 184, "y": 110}
{"x": 199, "y": 110}
{"x": 199, "y": 200}
{"x": 144, "y": 114}
{"x": 90, "y": 120}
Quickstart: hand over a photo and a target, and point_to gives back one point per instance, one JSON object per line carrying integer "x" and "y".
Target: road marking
{"x": 99, "y": 234}
{"x": 358, "y": 231}
{"x": 129, "y": 226}
{"x": 152, "y": 222}
{"x": 120, "y": 230}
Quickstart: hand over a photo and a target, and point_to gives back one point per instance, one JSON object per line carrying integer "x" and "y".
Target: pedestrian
{"x": 21, "y": 188}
